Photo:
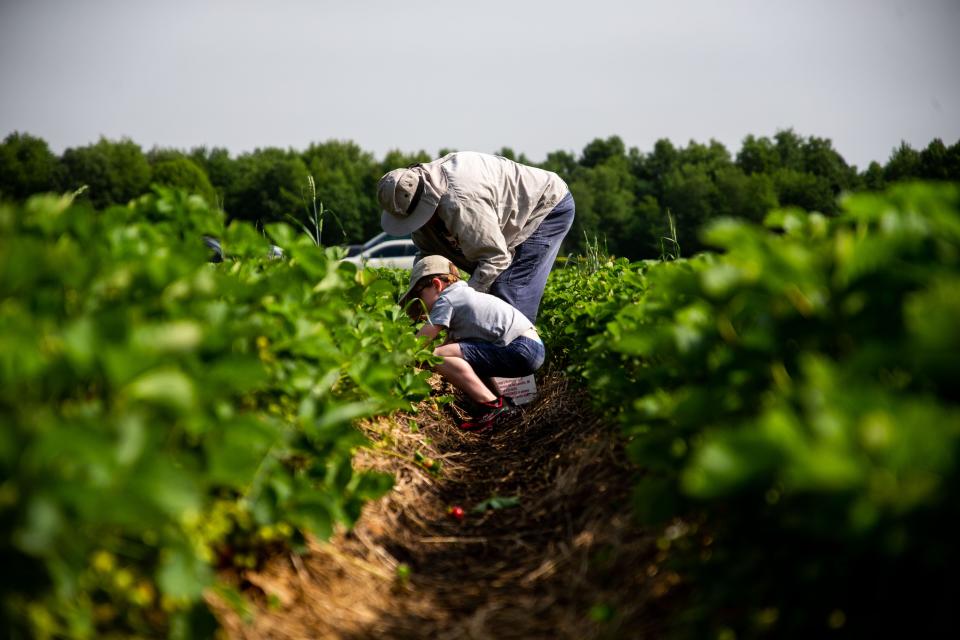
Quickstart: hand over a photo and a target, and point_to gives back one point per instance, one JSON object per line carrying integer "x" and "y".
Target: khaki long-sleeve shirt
{"x": 488, "y": 206}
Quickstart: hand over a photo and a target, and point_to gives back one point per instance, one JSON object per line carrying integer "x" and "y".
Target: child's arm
{"x": 429, "y": 330}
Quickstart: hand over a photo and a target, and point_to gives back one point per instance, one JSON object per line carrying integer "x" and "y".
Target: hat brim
{"x": 407, "y": 299}
{"x": 401, "y": 226}
{"x": 426, "y": 266}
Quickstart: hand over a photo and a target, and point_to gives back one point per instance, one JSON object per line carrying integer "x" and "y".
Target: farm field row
{"x": 789, "y": 400}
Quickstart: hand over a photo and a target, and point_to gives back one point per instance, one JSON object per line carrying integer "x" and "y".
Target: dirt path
{"x": 565, "y": 562}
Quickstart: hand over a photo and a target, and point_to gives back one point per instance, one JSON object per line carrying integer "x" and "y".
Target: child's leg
{"x": 460, "y": 374}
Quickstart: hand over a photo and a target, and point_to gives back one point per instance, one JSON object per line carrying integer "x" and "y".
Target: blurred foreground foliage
{"x": 793, "y": 400}
{"x": 164, "y": 416}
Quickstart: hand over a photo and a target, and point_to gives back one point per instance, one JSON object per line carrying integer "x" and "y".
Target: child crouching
{"x": 486, "y": 336}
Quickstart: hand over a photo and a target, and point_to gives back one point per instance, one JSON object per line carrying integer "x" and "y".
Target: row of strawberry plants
{"x": 792, "y": 398}
{"x": 164, "y": 416}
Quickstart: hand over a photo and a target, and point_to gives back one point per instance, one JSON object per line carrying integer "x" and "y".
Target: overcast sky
{"x": 479, "y": 75}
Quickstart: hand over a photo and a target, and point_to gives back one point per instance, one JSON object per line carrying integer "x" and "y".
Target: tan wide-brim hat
{"x": 407, "y": 203}
{"x": 428, "y": 266}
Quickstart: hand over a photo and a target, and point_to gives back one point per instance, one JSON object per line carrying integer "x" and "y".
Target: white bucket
{"x": 520, "y": 390}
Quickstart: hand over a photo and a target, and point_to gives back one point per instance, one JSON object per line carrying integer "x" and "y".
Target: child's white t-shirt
{"x": 471, "y": 315}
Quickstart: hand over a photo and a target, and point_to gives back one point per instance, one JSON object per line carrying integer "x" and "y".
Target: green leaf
{"x": 282, "y": 234}
{"x": 495, "y": 503}
{"x": 166, "y": 387}
{"x": 236, "y": 374}
{"x": 170, "y": 337}
{"x": 236, "y": 450}
{"x": 80, "y": 340}
{"x": 171, "y": 488}
{"x": 370, "y": 485}
{"x": 314, "y": 517}
{"x": 182, "y": 574}
{"x": 44, "y": 523}
{"x": 195, "y": 622}
{"x": 345, "y": 413}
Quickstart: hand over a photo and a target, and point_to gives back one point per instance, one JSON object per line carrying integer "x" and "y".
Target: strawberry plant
{"x": 164, "y": 416}
{"x": 794, "y": 394}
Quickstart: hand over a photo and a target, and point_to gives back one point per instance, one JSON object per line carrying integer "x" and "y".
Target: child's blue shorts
{"x": 520, "y": 358}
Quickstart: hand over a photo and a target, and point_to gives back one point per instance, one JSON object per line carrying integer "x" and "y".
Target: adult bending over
{"x": 500, "y": 221}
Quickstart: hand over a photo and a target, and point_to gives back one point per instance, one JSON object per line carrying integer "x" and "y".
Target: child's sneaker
{"x": 486, "y": 413}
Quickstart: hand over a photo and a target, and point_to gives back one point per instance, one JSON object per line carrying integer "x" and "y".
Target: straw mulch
{"x": 566, "y": 562}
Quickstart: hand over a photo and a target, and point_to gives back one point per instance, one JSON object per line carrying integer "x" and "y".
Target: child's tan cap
{"x": 428, "y": 266}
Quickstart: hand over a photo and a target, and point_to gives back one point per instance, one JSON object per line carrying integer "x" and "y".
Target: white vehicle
{"x": 398, "y": 254}
{"x": 354, "y": 249}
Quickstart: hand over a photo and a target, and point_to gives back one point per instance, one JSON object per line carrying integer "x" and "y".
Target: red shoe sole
{"x": 475, "y": 426}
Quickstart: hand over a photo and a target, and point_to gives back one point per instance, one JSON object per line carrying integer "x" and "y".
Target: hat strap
{"x": 416, "y": 197}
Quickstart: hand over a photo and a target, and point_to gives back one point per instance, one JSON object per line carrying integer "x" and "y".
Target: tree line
{"x": 623, "y": 195}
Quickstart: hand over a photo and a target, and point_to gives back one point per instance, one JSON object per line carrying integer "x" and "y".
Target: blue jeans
{"x": 520, "y": 358}
{"x": 522, "y": 283}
